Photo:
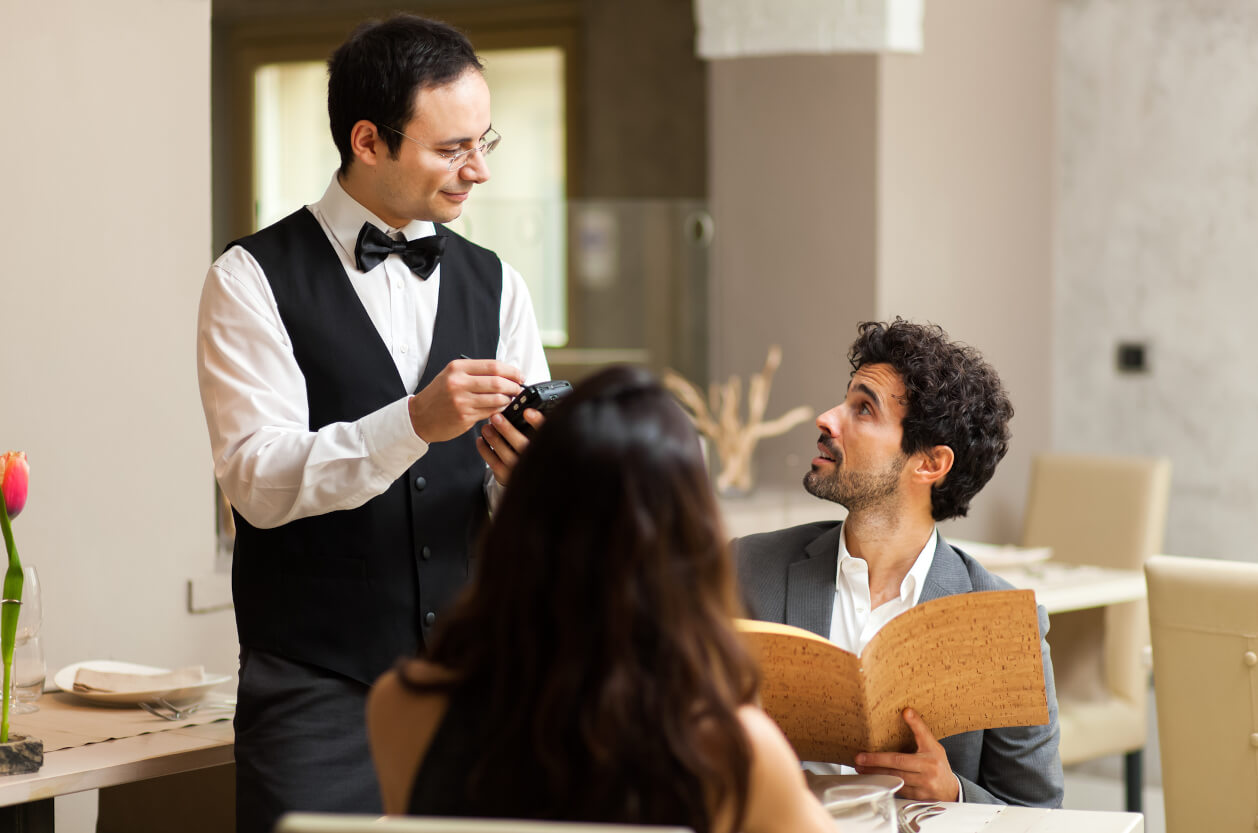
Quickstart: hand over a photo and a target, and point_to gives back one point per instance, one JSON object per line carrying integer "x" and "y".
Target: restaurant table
{"x": 956, "y": 818}
{"x": 1062, "y": 588}
{"x": 990, "y": 818}
{"x": 142, "y": 747}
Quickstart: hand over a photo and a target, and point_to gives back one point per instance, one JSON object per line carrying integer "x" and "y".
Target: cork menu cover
{"x": 964, "y": 662}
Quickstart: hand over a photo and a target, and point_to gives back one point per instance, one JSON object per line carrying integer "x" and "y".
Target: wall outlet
{"x": 1132, "y": 357}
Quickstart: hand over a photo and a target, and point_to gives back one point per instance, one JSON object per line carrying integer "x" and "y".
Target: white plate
{"x": 180, "y": 696}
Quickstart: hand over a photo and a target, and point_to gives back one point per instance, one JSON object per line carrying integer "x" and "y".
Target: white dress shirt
{"x": 269, "y": 463}
{"x": 855, "y": 620}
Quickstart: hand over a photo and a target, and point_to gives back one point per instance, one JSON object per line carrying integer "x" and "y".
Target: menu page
{"x": 964, "y": 662}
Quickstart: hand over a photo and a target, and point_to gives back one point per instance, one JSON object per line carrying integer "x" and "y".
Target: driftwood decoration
{"x": 718, "y": 419}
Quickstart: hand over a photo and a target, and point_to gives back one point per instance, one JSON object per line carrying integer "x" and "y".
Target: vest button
{"x": 420, "y": 483}
{"x": 425, "y": 553}
{"x": 429, "y": 618}
{"x": 1251, "y": 659}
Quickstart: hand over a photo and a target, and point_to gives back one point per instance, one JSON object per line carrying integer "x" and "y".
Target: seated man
{"x": 920, "y": 430}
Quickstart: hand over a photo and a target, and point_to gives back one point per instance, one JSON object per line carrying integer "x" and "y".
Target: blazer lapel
{"x": 810, "y": 584}
{"x": 947, "y": 575}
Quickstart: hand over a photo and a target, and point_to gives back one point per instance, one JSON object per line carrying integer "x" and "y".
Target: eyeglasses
{"x": 458, "y": 159}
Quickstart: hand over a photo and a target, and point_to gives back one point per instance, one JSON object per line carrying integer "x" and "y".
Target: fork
{"x": 164, "y": 709}
{"x": 913, "y": 814}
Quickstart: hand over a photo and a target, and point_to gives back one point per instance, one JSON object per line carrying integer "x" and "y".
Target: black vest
{"x": 351, "y": 591}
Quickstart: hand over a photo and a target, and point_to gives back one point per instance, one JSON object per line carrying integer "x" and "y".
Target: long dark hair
{"x": 598, "y": 624}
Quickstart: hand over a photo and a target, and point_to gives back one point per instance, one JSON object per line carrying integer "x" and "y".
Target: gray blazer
{"x": 788, "y": 576}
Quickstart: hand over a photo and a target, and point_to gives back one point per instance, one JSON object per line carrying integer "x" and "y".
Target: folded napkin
{"x": 117, "y": 682}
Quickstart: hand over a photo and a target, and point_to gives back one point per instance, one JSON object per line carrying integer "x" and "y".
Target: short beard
{"x": 857, "y": 491}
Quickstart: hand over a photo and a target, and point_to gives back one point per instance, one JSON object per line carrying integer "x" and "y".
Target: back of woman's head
{"x": 609, "y": 522}
{"x": 598, "y": 622}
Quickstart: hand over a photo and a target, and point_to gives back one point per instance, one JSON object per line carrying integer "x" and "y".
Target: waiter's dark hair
{"x": 955, "y": 398}
{"x": 598, "y": 623}
{"x": 375, "y": 74}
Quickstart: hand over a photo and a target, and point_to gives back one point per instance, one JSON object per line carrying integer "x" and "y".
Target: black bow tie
{"x": 420, "y": 254}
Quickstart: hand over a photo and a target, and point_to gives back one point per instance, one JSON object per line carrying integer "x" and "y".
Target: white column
{"x": 742, "y": 28}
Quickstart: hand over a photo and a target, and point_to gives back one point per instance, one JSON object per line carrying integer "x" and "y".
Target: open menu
{"x": 963, "y": 662}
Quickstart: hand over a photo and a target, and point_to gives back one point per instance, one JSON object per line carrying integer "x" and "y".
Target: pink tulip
{"x": 15, "y": 478}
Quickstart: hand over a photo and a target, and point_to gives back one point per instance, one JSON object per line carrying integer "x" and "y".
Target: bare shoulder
{"x": 768, "y": 744}
{"x": 401, "y": 723}
{"x": 392, "y": 699}
{"x": 779, "y": 799}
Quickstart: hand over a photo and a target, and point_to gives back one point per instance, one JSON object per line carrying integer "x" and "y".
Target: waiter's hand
{"x": 926, "y": 774}
{"x": 464, "y": 392}
{"x": 500, "y": 443}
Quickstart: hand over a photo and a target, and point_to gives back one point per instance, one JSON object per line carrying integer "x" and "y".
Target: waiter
{"x": 345, "y": 355}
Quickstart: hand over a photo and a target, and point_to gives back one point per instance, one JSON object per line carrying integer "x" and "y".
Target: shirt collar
{"x": 345, "y": 216}
{"x": 911, "y": 586}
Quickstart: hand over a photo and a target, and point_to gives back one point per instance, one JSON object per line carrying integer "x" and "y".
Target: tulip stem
{"x": 9, "y": 612}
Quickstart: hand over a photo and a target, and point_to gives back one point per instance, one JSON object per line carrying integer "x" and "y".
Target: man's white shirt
{"x": 269, "y": 463}
{"x": 856, "y": 621}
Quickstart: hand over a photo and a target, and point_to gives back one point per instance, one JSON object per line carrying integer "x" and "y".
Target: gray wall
{"x": 1157, "y": 194}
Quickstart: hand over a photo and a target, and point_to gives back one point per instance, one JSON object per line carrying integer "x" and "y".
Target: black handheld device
{"x": 542, "y": 397}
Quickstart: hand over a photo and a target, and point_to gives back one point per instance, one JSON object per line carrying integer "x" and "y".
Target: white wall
{"x": 1157, "y": 208}
{"x": 106, "y": 150}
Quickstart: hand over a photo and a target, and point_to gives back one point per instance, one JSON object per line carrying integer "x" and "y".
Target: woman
{"x": 591, "y": 671}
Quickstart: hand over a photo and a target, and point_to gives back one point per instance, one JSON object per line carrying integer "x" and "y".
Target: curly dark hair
{"x": 955, "y": 398}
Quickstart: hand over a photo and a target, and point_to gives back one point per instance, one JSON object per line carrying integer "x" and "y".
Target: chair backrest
{"x": 342, "y": 823}
{"x": 1107, "y": 511}
{"x": 1203, "y": 615}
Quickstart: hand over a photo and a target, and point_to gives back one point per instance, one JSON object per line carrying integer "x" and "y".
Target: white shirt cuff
{"x": 390, "y": 438}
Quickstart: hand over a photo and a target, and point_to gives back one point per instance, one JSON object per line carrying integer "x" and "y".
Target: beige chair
{"x": 1109, "y": 512}
{"x": 337, "y": 823}
{"x": 1204, "y": 617}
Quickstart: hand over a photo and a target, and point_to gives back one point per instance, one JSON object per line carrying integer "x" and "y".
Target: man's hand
{"x": 926, "y": 774}
{"x": 500, "y": 443}
{"x": 463, "y": 393}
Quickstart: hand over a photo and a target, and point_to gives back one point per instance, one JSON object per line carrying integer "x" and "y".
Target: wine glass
{"x": 31, "y": 615}
{"x": 27, "y": 682}
{"x": 29, "y": 671}
{"x": 862, "y": 808}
